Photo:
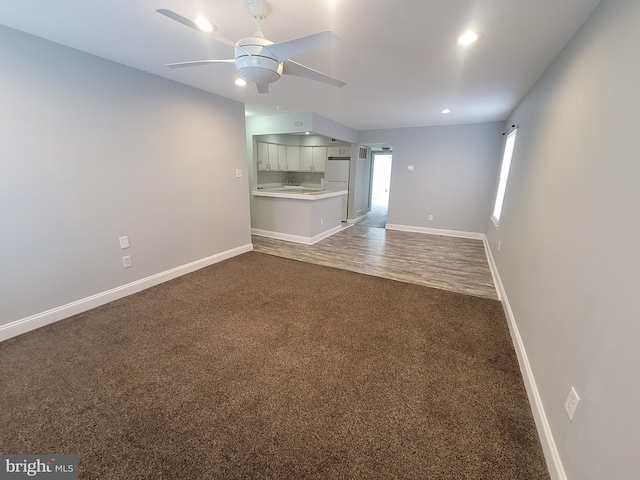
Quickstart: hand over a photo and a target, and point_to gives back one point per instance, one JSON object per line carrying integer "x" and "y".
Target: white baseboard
{"x": 492, "y": 267}
{"x": 435, "y": 231}
{"x": 296, "y": 238}
{"x": 551, "y": 454}
{"x": 38, "y": 320}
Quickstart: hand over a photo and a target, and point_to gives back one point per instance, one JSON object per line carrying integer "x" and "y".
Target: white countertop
{"x": 298, "y": 193}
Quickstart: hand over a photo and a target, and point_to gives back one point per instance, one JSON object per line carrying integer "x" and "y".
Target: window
{"x": 504, "y": 174}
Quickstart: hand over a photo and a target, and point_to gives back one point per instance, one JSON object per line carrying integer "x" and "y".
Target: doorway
{"x": 380, "y": 185}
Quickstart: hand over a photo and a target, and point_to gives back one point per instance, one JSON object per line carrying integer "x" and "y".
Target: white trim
{"x": 492, "y": 267}
{"x": 359, "y": 218}
{"x": 435, "y": 231}
{"x": 38, "y": 320}
{"x": 551, "y": 454}
{"x": 353, "y": 221}
{"x": 296, "y": 238}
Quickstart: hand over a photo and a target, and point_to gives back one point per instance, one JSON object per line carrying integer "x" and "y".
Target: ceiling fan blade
{"x": 290, "y": 48}
{"x": 192, "y": 24}
{"x": 197, "y": 63}
{"x": 292, "y": 68}
{"x": 263, "y": 87}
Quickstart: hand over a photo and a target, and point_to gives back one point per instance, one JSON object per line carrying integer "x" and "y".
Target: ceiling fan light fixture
{"x": 258, "y": 8}
{"x": 241, "y": 82}
{"x": 205, "y": 25}
{"x": 446, "y": 110}
{"x": 258, "y": 60}
{"x": 468, "y": 38}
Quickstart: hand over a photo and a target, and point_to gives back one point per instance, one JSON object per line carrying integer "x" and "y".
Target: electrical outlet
{"x": 410, "y": 168}
{"x": 126, "y": 261}
{"x": 572, "y": 403}
{"x": 238, "y": 173}
{"x": 430, "y": 217}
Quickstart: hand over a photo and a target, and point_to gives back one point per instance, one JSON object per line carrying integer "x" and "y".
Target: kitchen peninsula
{"x": 300, "y": 187}
{"x": 297, "y": 214}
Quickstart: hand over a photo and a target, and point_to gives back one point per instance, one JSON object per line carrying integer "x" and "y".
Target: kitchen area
{"x": 301, "y": 186}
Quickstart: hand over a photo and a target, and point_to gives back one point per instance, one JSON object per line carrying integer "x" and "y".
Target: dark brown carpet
{"x": 264, "y": 367}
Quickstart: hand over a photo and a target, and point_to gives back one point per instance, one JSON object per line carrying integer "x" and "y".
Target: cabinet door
{"x": 273, "y": 157}
{"x": 319, "y": 159}
{"x": 306, "y": 159}
{"x": 293, "y": 158}
{"x": 283, "y": 159}
{"x": 339, "y": 151}
{"x": 262, "y": 160}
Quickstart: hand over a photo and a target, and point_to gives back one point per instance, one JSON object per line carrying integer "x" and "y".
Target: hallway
{"x": 377, "y": 217}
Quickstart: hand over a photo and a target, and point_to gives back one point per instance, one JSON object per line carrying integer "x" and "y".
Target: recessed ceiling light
{"x": 468, "y": 38}
{"x": 204, "y": 24}
{"x": 446, "y": 110}
{"x": 281, "y": 107}
{"x": 241, "y": 82}
{"x": 307, "y": 133}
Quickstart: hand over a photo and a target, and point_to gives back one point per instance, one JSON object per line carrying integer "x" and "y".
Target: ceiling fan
{"x": 259, "y": 60}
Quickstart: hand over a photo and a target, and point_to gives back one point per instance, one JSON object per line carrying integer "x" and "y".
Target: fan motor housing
{"x": 261, "y": 67}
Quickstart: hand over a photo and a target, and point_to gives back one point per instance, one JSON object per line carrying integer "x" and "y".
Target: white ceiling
{"x": 399, "y": 58}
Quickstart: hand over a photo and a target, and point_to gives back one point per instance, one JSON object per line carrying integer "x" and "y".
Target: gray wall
{"x": 570, "y": 230}
{"x": 92, "y": 150}
{"x": 454, "y": 177}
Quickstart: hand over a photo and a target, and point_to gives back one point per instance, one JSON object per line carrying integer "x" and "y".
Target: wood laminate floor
{"x": 449, "y": 263}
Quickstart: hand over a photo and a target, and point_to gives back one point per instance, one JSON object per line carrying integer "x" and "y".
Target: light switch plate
{"x": 238, "y": 173}
{"x": 410, "y": 168}
{"x": 124, "y": 242}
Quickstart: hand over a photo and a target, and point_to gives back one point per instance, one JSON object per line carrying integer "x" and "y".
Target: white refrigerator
{"x": 336, "y": 177}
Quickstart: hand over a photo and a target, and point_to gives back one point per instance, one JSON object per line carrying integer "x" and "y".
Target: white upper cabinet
{"x": 312, "y": 159}
{"x": 319, "y": 159}
{"x": 273, "y": 157}
{"x": 339, "y": 151}
{"x": 283, "y": 158}
{"x": 262, "y": 159}
{"x": 293, "y": 158}
{"x": 306, "y": 159}
{"x": 267, "y": 158}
